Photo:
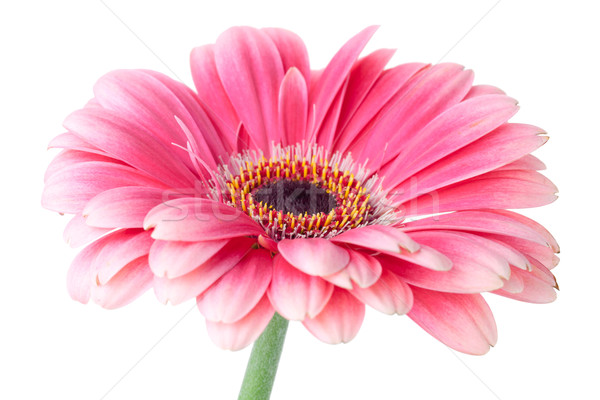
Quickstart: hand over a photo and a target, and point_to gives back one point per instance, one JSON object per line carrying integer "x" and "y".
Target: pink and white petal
{"x": 69, "y": 190}
{"x": 127, "y": 285}
{"x": 528, "y": 162}
{"x": 379, "y": 237}
{"x": 541, "y": 253}
{"x": 427, "y": 257}
{"x": 251, "y": 71}
{"x": 512, "y": 256}
{"x": 194, "y": 283}
{"x": 334, "y": 76}
{"x": 475, "y": 268}
{"x": 211, "y": 91}
{"x": 533, "y": 225}
{"x": 293, "y": 107}
{"x": 127, "y": 141}
{"x": 291, "y": 49}
{"x": 124, "y": 247}
{"x": 78, "y": 232}
{"x": 234, "y": 295}
{"x": 463, "y": 249}
{"x": 463, "y": 322}
{"x": 363, "y": 76}
{"x": 161, "y": 105}
{"x": 482, "y": 90}
{"x": 80, "y": 273}
{"x": 296, "y": 295}
{"x": 391, "y": 83}
{"x": 69, "y": 157}
{"x": 542, "y": 273}
{"x": 69, "y": 141}
{"x": 340, "y": 320}
{"x": 314, "y": 256}
{"x": 504, "y": 145}
{"x": 193, "y": 219}
{"x": 492, "y": 190}
{"x": 172, "y": 259}
{"x": 513, "y": 285}
{"x": 363, "y": 269}
{"x": 535, "y": 290}
{"x": 124, "y": 207}
{"x": 340, "y": 279}
{"x": 477, "y": 221}
{"x": 237, "y": 335}
{"x": 390, "y": 294}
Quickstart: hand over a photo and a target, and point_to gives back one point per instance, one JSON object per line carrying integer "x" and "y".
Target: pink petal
{"x": 506, "y": 144}
{"x": 328, "y": 128}
{"x": 340, "y": 279}
{"x": 439, "y": 88}
{"x": 172, "y": 259}
{"x": 80, "y": 274}
{"x": 293, "y": 107}
{"x": 526, "y": 162}
{"x": 363, "y": 76}
{"x": 475, "y": 268}
{"x": 426, "y": 257}
{"x": 234, "y": 295}
{"x": 535, "y": 290}
{"x": 153, "y": 102}
{"x": 68, "y": 157}
{"x": 339, "y": 321}
{"x": 78, "y": 232}
{"x": 314, "y": 256}
{"x": 533, "y": 225}
{"x": 453, "y": 129}
{"x": 192, "y": 284}
{"x": 291, "y": 49}
{"x": 296, "y": 295}
{"x": 496, "y": 190}
{"x": 512, "y": 256}
{"x": 251, "y": 71}
{"x": 335, "y": 74}
{"x": 123, "y": 248}
{"x": 482, "y": 90}
{"x": 193, "y": 219}
{"x": 391, "y": 83}
{"x": 379, "y": 237}
{"x": 210, "y": 89}
{"x": 477, "y": 221}
{"x": 541, "y": 253}
{"x": 389, "y": 294}
{"x": 69, "y": 190}
{"x": 513, "y": 285}
{"x": 125, "y": 140}
{"x": 70, "y": 141}
{"x": 362, "y": 269}
{"x": 241, "y": 333}
{"x": 123, "y": 207}
{"x": 463, "y": 322}
{"x": 127, "y": 285}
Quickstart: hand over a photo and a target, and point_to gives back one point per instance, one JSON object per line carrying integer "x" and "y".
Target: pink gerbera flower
{"x": 277, "y": 188}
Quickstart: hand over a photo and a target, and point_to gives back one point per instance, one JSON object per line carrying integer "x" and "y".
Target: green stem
{"x": 263, "y": 362}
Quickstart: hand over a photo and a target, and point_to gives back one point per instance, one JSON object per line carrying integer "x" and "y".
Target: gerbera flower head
{"x": 312, "y": 193}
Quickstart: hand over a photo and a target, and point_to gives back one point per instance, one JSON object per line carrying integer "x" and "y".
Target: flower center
{"x": 296, "y": 197}
{"x": 301, "y": 192}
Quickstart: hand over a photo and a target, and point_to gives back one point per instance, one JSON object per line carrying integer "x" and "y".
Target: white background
{"x": 543, "y": 54}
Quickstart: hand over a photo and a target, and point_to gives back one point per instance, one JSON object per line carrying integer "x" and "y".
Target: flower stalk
{"x": 263, "y": 362}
